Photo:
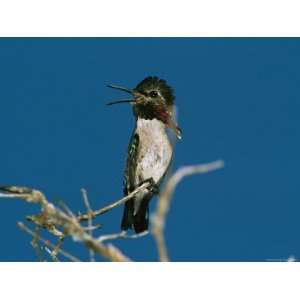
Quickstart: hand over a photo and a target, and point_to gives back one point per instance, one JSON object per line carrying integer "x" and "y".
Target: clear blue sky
{"x": 238, "y": 99}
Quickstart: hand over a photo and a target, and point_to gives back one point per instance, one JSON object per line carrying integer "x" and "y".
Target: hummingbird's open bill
{"x": 152, "y": 103}
{"x": 121, "y": 88}
{"x": 121, "y": 101}
{"x": 130, "y": 91}
{"x": 150, "y": 151}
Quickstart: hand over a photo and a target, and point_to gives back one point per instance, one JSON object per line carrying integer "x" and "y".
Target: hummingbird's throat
{"x": 165, "y": 116}
{"x": 161, "y": 113}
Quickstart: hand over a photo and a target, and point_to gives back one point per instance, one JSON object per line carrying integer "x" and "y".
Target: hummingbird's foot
{"x": 154, "y": 188}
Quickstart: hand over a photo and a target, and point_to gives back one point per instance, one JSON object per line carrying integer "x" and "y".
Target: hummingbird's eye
{"x": 153, "y": 94}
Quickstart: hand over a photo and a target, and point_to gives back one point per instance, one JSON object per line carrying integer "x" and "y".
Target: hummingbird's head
{"x": 152, "y": 98}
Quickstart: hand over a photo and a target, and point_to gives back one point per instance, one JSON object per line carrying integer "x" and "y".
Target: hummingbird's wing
{"x": 129, "y": 174}
{"x": 128, "y": 181}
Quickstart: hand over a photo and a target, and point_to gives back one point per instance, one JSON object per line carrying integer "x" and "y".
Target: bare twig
{"x": 114, "y": 204}
{"x": 90, "y": 220}
{"x": 47, "y": 243}
{"x": 63, "y": 223}
{"x": 52, "y": 254}
{"x": 158, "y": 219}
{"x": 34, "y": 243}
{"x": 70, "y": 224}
{"x": 66, "y": 208}
{"x": 123, "y": 234}
{"x": 108, "y": 251}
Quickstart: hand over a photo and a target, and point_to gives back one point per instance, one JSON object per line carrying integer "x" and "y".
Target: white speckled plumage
{"x": 154, "y": 153}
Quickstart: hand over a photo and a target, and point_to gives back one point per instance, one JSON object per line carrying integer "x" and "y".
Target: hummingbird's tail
{"x": 139, "y": 221}
{"x": 127, "y": 220}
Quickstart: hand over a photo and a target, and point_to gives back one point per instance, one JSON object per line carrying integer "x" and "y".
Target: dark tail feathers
{"x": 140, "y": 221}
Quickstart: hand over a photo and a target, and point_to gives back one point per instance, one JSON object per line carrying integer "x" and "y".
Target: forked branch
{"x": 163, "y": 205}
{"x": 63, "y": 222}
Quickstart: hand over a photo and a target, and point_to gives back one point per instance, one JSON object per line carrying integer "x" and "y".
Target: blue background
{"x": 238, "y": 99}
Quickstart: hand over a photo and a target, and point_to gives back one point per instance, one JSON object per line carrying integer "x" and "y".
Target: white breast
{"x": 155, "y": 150}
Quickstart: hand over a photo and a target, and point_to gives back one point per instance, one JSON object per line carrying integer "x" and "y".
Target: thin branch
{"x": 110, "y": 252}
{"x": 109, "y": 207}
{"x": 123, "y": 234}
{"x": 48, "y": 243}
{"x": 65, "y": 208}
{"x": 64, "y": 223}
{"x": 90, "y": 220}
{"x": 35, "y": 245}
{"x": 158, "y": 219}
{"x": 52, "y": 215}
{"x": 52, "y": 254}
{"x": 30, "y": 195}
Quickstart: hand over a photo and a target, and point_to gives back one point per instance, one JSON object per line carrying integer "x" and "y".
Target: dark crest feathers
{"x": 153, "y": 82}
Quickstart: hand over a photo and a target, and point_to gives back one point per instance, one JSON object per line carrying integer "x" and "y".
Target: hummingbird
{"x": 150, "y": 150}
